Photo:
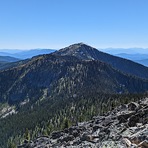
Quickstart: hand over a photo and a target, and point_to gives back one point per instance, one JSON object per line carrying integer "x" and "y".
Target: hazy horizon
{"x": 111, "y": 50}
{"x": 98, "y": 47}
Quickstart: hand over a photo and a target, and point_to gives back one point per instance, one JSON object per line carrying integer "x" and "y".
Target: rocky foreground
{"x": 124, "y": 127}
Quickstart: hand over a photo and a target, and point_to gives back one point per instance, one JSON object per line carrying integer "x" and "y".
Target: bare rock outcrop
{"x": 124, "y": 127}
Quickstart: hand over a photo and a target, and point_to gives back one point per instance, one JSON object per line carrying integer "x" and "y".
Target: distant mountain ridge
{"x": 25, "y": 54}
{"x": 138, "y": 58}
{"x": 133, "y": 57}
{"x": 143, "y": 62}
{"x": 8, "y": 59}
{"x": 115, "y": 51}
{"x": 12, "y": 58}
{"x": 138, "y": 55}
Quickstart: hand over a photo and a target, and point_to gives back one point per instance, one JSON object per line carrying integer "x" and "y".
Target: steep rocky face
{"x": 85, "y": 52}
{"x": 124, "y": 127}
{"x": 64, "y": 76}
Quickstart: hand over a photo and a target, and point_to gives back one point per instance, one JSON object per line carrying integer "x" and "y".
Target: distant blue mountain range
{"x": 116, "y": 51}
{"x": 24, "y": 54}
{"x": 7, "y": 59}
{"x": 139, "y": 55}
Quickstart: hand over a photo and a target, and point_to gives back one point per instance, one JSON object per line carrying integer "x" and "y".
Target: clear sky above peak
{"x": 26, "y": 24}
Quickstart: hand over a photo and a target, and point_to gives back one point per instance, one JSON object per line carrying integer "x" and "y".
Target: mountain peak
{"x": 85, "y": 52}
{"x": 79, "y": 50}
{"x": 76, "y": 46}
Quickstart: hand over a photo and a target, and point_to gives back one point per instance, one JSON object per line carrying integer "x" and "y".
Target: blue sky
{"x": 26, "y": 24}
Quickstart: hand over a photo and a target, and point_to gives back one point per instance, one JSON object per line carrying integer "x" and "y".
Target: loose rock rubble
{"x": 124, "y": 127}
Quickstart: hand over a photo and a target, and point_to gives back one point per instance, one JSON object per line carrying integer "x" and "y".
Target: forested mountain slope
{"x": 64, "y": 76}
{"x": 83, "y": 51}
{"x": 53, "y": 91}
